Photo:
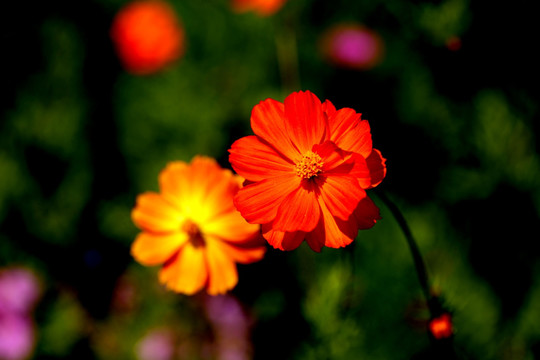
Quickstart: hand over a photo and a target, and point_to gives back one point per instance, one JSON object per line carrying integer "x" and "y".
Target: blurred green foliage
{"x": 80, "y": 138}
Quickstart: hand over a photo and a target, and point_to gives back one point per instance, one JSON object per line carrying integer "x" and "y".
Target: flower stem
{"x": 287, "y": 56}
{"x": 413, "y": 247}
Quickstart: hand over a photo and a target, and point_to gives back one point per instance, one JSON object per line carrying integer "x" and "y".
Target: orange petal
{"x": 282, "y": 240}
{"x": 328, "y": 108}
{"x": 316, "y": 239}
{"x": 201, "y": 189}
{"x": 307, "y": 122}
{"x": 377, "y": 167}
{"x": 366, "y": 213}
{"x": 154, "y": 249}
{"x": 153, "y": 213}
{"x": 219, "y": 198}
{"x": 341, "y": 195}
{"x": 355, "y": 165}
{"x": 349, "y": 132}
{"x": 331, "y": 231}
{"x": 232, "y": 227}
{"x": 255, "y": 160}
{"x": 258, "y": 203}
{"x": 299, "y": 211}
{"x": 222, "y": 269}
{"x": 268, "y": 122}
{"x": 185, "y": 273}
{"x": 331, "y": 154}
{"x": 239, "y": 254}
{"x": 172, "y": 181}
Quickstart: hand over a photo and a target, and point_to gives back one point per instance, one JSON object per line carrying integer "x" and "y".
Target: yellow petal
{"x": 222, "y": 269}
{"x": 155, "y": 214}
{"x": 155, "y": 249}
{"x": 187, "y": 272}
{"x": 232, "y": 227}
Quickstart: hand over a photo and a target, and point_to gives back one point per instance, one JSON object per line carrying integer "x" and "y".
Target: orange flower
{"x": 193, "y": 229}
{"x": 261, "y": 7}
{"x": 147, "y": 36}
{"x": 307, "y": 168}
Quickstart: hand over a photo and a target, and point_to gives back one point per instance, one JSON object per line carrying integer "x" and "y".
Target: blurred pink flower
{"x": 352, "y": 46}
{"x": 16, "y": 336}
{"x": 19, "y": 290}
{"x": 157, "y": 344}
{"x": 231, "y": 327}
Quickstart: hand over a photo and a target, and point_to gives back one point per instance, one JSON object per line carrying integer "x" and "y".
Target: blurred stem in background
{"x": 287, "y": 55}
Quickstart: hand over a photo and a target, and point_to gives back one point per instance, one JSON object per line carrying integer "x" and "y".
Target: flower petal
{"x": 341, "y": 194}
{"x": 307, "y": 121}
{"x": 189, "y": 186}
{"x": 377, "y": 167}
{"x": 299, "y": 211}
{"x": 268, "y": 122}
{"x": 282, "y": 240}
{"x": 258, "y": 203}
{"x": 328, "y": 108}
{"x": 186, "y": 272}
{"x": 331, "y": 232}
{"x": 349, "y": 132}
{"x": 231, "y": 227}
{"x": 340, "y": 162}
{"x": 366, "y": 214}
{"x": 255, "y": 160}
{"x": 331, "y": 154}
{"x": 222, "y": 269}
{"x": 344, "y": 163}
{"x": 241, "y": 254}
{"x": 152, "y": 249}
{"x": 153, "y": 213}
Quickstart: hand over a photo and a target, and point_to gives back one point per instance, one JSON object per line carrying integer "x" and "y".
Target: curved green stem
{"x": 413, "y": 247}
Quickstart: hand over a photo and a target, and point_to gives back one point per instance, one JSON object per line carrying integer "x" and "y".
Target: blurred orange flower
{"x": 147, "y": 36}
{"x": 307, "y": 169}
{"x": 260, "y": 7}
{"x": 193, "y": 229}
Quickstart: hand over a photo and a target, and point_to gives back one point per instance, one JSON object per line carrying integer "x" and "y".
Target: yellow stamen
{"x": 310, "y": 165}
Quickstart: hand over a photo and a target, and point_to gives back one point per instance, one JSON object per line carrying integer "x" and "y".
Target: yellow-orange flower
{"x": 193, "y": 229}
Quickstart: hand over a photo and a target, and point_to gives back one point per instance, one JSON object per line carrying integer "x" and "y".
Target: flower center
{"x": 194, "y": 233}
{"x": 310, "y": 165}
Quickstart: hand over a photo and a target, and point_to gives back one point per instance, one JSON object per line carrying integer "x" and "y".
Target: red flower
{"x": 441, "y": 327}
{"x": 192, "y": 228}
{"x": 147, "y": 36}
{"x": 307, "y": 168}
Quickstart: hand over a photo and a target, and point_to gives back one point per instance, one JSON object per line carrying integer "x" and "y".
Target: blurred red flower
{"x": 441, "y": 327}
{"x": 193, "y": 229}
{"x": 307, "y": 168}
{"x": 260, "y": 7}
{"x": 147, "y": 36}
